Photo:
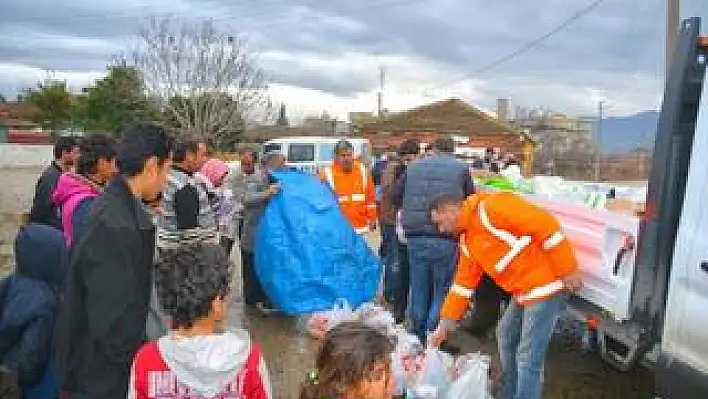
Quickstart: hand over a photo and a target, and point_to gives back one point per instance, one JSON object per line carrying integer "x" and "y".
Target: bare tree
{"x": 204, "y": 79}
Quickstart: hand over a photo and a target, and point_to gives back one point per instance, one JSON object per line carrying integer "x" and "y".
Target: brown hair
{"x": 350, "y": 354}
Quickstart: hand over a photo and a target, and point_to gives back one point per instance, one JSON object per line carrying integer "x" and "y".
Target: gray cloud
{"x": 620, "y": 41}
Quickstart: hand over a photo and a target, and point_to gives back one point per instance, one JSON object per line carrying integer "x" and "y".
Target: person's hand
{"x": 437, "y": 337}
{"x": 273, "y": 189}
{"x": 573, "y": 282}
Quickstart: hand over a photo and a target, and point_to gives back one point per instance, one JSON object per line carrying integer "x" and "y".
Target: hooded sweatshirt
{"x": 71, "y": 190}
{"x": 29, "y": 301}
{"x": 223, "y": 366}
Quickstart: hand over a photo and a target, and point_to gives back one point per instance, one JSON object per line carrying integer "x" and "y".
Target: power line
{"x": 530, "y": 45}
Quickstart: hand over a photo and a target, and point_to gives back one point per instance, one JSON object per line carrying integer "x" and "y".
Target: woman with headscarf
{"x": 222, "y": 200}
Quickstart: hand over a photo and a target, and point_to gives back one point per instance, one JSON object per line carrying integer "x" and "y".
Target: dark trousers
{"x": 433, "y": 262}
{"x": 252, "y": 289}
{"x": 396, "y": 271}
{"x": 226, "y": 243}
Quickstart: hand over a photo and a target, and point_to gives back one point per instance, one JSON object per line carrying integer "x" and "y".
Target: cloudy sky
{"x": 325, "y": 54}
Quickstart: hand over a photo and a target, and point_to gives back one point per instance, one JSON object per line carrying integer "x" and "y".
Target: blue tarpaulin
{"x": 307, "y": 254}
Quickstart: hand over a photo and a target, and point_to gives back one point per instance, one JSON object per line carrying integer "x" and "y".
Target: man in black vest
{"x": 432, "y": 256}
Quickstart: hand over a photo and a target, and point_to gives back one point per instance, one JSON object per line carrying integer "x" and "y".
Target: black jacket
{"x": 102, "y": 320}
{"x": 29, "y": 300}
{"x": 43, "y": 210}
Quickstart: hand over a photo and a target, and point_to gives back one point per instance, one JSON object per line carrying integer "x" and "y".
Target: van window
{"x": 326, "y": 153}
{"x": 272, "y": 147}
{"x": 301, "y": 153}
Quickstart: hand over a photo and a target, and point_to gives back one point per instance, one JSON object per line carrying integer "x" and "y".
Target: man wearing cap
{"x": 354, "y": 187}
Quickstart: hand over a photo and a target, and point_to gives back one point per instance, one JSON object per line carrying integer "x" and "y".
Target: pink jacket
{"x": 70, "y": 191}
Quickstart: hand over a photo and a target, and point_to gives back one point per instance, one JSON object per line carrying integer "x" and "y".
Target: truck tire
{"x": 486, "y": 308}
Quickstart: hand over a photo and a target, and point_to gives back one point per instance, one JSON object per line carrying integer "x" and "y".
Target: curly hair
{"x": 188, "y": 278}
{"x": 350, "y": 353}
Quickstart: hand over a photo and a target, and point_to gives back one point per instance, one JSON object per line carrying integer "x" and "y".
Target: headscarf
{"x": 214, "y": 170}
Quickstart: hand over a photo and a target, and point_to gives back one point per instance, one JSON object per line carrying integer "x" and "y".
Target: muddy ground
{"x": 570, "y": 373}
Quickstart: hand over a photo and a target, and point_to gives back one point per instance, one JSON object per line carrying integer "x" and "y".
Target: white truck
{"x": 646, "y": 278}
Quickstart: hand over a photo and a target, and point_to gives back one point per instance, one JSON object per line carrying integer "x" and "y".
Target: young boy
{"x": 29, "y": 300}
{"x": 194, "y": 360}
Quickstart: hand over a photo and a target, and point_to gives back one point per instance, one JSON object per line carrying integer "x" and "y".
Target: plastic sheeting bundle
{"x": 307, "y": 255}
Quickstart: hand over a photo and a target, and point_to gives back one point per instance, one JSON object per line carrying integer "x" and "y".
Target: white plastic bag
{"x": 408, "y": 349}
{"x": 377, "y": 317}
{"x": 473, "y": 379}
{"x": 435, "y": 376}
{"x": 321, "y": 322}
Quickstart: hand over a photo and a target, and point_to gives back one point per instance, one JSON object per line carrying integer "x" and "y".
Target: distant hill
{"x": 625, "y": 133}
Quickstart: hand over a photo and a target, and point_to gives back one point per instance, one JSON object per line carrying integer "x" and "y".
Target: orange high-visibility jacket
{"x": 355, "y": 191}
{"x": 519, "y": 245}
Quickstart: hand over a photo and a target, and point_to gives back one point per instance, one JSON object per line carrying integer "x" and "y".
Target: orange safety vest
{"x": 355, "y": 192}
{"x": 519, "y": 245}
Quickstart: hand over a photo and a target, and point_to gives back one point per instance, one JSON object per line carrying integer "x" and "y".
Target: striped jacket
{"x": 177, "y": 181}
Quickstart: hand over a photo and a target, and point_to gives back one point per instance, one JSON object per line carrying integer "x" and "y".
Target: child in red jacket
{"x": 194, "y": 360}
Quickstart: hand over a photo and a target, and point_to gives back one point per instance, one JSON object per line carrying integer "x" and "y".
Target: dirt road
{"x": 570, "y": 373}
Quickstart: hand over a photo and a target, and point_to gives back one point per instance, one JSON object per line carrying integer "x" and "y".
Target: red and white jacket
{"x": 200, "y": 368}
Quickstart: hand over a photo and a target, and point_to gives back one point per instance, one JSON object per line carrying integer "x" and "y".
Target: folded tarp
{"x": 307, "y": 255}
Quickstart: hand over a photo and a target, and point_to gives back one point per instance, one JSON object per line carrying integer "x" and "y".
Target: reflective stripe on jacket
{"x": 355, "y": 192}
{"x": 519, "y": 245}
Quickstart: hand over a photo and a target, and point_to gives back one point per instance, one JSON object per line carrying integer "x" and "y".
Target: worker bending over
{"x": 352, "y": 184}
{"x": 522, "y": 248}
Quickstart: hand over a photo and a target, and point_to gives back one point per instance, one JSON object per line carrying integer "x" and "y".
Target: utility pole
{"x": 379, "y": 102}
{"x": 598, "y": 141}
{"x": 673, "y": 15}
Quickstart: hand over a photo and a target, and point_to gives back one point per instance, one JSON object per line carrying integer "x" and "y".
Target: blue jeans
{"x": 433, "y": 262}
{"x": 396, "y": 271}
{"x": 523, "y": 335}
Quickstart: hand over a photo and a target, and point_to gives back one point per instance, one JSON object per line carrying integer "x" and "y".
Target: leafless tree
{"x": 204, "y": 79}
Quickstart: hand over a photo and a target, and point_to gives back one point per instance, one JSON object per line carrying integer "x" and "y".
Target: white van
{"x": 312, "y": 153}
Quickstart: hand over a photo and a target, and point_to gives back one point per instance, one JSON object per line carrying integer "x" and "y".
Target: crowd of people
{"x": 123, "y": 272}
{"x": 442, "y": 239}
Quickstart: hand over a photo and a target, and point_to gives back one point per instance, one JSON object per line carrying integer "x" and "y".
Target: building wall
{"x": 25, "y": 155}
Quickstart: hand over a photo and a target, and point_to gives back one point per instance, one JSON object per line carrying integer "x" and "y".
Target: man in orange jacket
{"x": 353, "y": 186}
{"x": 522, "y": 248}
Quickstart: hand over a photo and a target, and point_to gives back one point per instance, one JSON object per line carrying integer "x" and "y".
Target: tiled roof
{"x": 448, "y": 116}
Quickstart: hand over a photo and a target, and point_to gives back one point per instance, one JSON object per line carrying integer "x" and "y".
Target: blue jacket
{"x": 29, "y": 299}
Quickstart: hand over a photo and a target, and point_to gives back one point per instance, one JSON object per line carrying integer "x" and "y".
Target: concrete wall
{"x": 25, "y": 155}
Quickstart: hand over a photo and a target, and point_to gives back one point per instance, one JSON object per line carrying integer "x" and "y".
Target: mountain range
{"x": 622, "y": 134}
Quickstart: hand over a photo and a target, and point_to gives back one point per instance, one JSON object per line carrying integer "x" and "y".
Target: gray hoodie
{"x": 207, "y": 364}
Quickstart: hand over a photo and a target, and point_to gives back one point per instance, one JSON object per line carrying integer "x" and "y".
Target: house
{"x": 451, "y": 118}
{"x": 16, "y": 129}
